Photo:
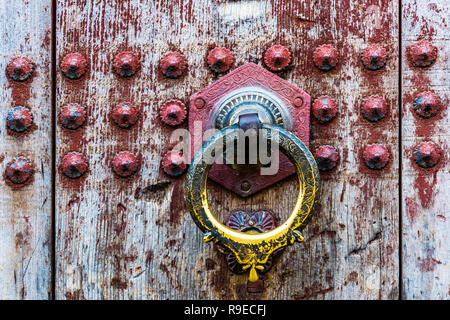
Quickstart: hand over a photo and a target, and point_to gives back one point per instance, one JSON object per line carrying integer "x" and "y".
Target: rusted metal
{"x": 74, "y": 165}
{"x": 73, "y": 65}
{"x": 326, "y": 157}
{"x": 374, "y": 57}
{"x": 427, "y": 154}
{"x": 19, "y": 119}
{"x": 220, "y": 60}
{"x": 374, "y": 108}
{"x": 324, "y": 109}
{"x": 125, "y": 114}
{"x": 277, "y": 58}
{"x": 173, "y": 65}
{"x": 376, "y": 156}
{"x": 19, "y": 171}
{"x": 126, "y": 64}
{"x": 174, "y": 163}
{"x": 20, "y": 69}
{"x": 173, "y": 112}
{"x": 126, "y": 164}
{"x": 326, "y": 57}
{"x": 422, "y": 54}
{"x": 427, "y": 104}
{"x": 72, "y": 116}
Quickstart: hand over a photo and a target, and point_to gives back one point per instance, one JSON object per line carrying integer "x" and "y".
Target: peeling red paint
{"x": 411, "y": 209}
{"x": 425, "y": 187}
{"x": 428, "y": 264}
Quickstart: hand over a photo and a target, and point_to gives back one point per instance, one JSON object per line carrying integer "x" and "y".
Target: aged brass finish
{"x": 253, "y": 250}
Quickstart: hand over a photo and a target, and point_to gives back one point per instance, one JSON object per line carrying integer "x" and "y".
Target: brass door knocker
{"x": 252, "y": 250}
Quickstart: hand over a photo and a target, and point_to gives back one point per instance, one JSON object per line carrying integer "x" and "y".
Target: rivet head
{"x": 277, "y": 58}
{"x": 74, "y": 165}
{"x": 426, "y": 104}
{"x": 20, "y": 69}
{"x": 427, "y": 155}
{"x": 174, "y": 163}
{"x": 326, "y": 157}
{"x": 173, "y": 112}
{"x": 125, "y": 115}
{"x": 422, "y": 54}
{"x": 199, "y": 103}
{"x": 324, "y": 109}
{"x": 298, "y": 102}
{"x": 72, "y": 116}
{"x": 246, "y": 186}
{"x": 19, "y": 170}
{"x": 19, "y": 119}
{"x": 376, "y": 156}
{"x": 220, "y": 60}
{"x": 325, "y": 57}
{"x": 374, "y": 108}
{"x": 173, "y": 65}
{"x": 126, "y": 164}
{"x": 126, "y": 64}
{"x": 374, "y": 57}
{"x": 73, "y": 65}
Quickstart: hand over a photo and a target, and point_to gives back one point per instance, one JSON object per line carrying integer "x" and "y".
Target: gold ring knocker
{"x": 253, "y": 250}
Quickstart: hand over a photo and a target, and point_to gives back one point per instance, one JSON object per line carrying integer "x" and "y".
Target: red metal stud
{"x": 326, "y": 57}
{"x": 376, "y": 156}
{"x": 422, "y": 54}
{"x": 173, "y": 65}
{"x": 174, "y": 163}
{"x": 374, "y": 57}
{"x": 73, "y": 116}
{"x": 19, "y": 119}
{"x": 73, "y": 65}
{"x": 427, "y": 155}
{"x": 220, "y": 60}
{"x": 326, "y": 157}
{"x": 73, "y": 165}
{"x": 126, "y": 164}
{"x": 126, "y": 64}
{"x": 125, "y": 114}
{"x": 374, "y": 108}
{"x": 426, "y": 104}
{"x": 324, "y": 109}
{"x": 277, "y": 58}
{"x": 19, "y": 170}
{"x": 20, "y": 69}
{"x": 173, "y": 112}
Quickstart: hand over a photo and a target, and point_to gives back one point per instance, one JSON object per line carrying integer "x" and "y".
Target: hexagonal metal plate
{"x": 203, "y": 108}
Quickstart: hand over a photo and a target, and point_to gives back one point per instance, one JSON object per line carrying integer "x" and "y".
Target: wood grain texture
{"x": 25, "y": 215}
{"x": 134, "y": 239}
{"x": 426, "y": 221}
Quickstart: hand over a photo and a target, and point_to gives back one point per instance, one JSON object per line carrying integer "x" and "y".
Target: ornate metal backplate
{"x": 264, "y": 93}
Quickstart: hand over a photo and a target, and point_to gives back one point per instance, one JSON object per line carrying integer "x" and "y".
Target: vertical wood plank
{"x": 25, "y": 214}
{"x": 123, "y": 239}
{"x": 425, "y": 214}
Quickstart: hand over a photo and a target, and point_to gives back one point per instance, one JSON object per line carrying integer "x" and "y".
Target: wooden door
{"x": 375, "y": 234}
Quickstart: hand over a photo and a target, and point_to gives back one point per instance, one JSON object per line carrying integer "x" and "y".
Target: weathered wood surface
{"x": 25, "y": 250}
{"x": 425, "y": 214}
{"x": 119, "y": 239}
